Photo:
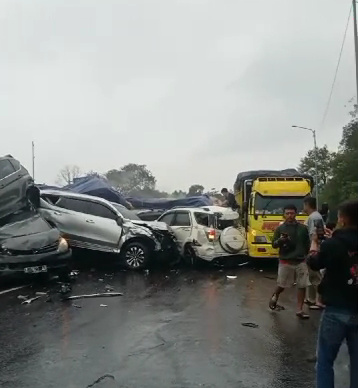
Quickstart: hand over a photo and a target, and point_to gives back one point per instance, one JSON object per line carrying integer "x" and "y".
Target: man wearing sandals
{"x": 292, "y": 240}
{"x": 313, "y": 298}
{"x": 338, "y": 255}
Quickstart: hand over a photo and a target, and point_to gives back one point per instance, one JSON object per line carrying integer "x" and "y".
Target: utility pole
{"x": 313, "y": 131}
{"x": 355, "y": 40}
{"x": 33, "y": 160}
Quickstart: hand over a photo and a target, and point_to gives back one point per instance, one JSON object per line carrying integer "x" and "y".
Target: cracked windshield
{"x": 178, "y": 194}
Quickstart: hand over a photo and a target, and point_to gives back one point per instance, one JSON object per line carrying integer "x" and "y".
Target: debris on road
{"x": 74, "y": 274}
{"x": 22, "y": 297}
{"x": 103, "y": 305}
{"x": 231, "y": 276}
{"x": 250, "y": 324}
{"x": 30, "y": 300}
{"x": 242, "y": 264}
{"x": 109, "y": 288}
{"x": 77, "y": 306}
{"x": 98, "y": 295}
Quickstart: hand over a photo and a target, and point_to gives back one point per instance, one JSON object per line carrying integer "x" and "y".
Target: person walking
{"x": 292, "y": 240}
{"x": 338, "y": 255}
{"x": 313, "y": 299}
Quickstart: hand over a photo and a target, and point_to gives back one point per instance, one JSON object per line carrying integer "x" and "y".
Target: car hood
{"x": 28, "y": 232}
{"x": 154, "y": 225}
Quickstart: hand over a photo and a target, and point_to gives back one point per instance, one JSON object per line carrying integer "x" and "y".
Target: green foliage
{"x": 338, "y": 172}
{"x": 325, "y": 160}
{"x": 132, "y": 178}
{"x": 195, "y": 190}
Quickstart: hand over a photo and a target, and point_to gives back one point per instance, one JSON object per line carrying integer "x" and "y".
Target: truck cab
{"x": 262, "y": 196}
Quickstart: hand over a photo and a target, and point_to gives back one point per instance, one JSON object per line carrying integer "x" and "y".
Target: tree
{"x": 68, "y": 174}
{"x": 344, "y": 183}
{"x": 325, "y": 160}
{"x": 132, "y": 179}
{"x": 195, "y": 190}
{"x": 178, "y": 194}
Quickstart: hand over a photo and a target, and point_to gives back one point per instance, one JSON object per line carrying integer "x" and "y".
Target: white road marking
{"x": 12, "y": 289}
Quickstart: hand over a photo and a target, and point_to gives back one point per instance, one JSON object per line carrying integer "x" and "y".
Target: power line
{"x": 336, "y": 72}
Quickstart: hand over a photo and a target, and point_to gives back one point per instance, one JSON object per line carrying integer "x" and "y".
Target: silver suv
{"x": 15, "y": 185}
{"x": 94, "y": 223}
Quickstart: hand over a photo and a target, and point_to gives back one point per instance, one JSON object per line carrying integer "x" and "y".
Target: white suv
{"x": 208, "y": 233}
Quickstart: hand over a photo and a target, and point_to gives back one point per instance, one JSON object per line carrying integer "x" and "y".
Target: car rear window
{"x": 204, "y": 219}
{"x": 223, "y": 224}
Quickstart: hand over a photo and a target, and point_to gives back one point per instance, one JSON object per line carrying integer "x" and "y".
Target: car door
{"x": 181, "y": 224}
{"x": 102, "y": 224}
{"x": 69, "y": 215}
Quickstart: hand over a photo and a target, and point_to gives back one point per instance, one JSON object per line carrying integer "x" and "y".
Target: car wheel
{"x": 190, "y": 257}
{"x": 135, "y": 255}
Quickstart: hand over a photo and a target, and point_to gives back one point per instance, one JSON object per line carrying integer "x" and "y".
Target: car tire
{"x": 190, "y": 259}
{"x": 135, "y": 255}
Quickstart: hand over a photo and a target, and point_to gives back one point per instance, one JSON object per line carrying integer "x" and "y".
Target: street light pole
{"x": 355, "y": 40}
{"x": 315, "y": 156}
{"x": 33, "y": 160}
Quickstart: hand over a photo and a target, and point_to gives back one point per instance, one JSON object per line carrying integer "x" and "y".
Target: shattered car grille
{"x": 46, "y": 249}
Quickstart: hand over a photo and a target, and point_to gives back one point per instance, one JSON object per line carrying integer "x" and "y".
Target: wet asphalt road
{"x": 179, "y": 328}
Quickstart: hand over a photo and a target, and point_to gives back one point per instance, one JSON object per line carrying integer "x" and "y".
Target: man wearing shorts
{"x": 292, "y": 240}
{"x": 313, "y": 298}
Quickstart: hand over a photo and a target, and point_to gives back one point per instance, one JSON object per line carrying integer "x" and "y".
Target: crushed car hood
{"x": 154, "y": 225}
{"x": 29, "y": 231}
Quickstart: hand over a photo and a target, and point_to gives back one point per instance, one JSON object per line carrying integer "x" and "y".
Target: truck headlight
{"x": 62, "y": 245}
{"x": 260, "y": 239}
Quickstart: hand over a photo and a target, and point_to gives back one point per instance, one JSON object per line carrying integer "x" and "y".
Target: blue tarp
{"x": 98, "y": 187}
{"x": 165, "y": 203}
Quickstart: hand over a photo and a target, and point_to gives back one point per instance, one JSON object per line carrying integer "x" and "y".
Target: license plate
{"x": 38, "y": 269}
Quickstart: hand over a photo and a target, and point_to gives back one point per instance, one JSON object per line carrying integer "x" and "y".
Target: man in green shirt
{"x": 292, "y": 240}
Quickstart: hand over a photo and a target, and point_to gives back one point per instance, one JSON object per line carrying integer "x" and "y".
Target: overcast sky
{"x": 198, "y": 90}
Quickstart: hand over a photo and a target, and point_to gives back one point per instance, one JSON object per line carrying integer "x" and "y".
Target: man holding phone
{"x": 292, "y": 240}
{"x": 338, "y": 255}
{"x": 314, "y": 223}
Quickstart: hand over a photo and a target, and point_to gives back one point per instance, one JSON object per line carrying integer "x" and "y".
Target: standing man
{"x": 338, "y": 255}
{"x": 230, "y": 200}
{"x": 292, "y": 240}
{"x": 313, "y": 298}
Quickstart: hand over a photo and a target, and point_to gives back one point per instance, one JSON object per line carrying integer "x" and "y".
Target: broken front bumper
{"x": 15, "y": 265}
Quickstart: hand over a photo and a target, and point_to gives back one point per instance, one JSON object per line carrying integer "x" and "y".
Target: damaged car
{"x": 28, "y": 244}
{"x": 210, "y": 233}
{"x": 93, "y": 223}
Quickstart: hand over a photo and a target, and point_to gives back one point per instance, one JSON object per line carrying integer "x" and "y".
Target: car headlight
{"x": 4, "y": 251}
{"x": 260, "y": 239}
{"x": 62, "y": 245}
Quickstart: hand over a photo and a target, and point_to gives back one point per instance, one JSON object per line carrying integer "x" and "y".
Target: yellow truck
{"x": 262, "y": 195}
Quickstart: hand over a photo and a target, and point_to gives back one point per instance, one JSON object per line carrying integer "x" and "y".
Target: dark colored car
{"x": 16, "y": 186}
{"x": 30, "y": 245}
{"x": 149, "y": 215}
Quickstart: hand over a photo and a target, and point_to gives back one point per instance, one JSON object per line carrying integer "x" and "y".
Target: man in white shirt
{"x": 313, "y": 298}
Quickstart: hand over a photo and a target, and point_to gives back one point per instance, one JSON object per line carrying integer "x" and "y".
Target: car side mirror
{"x": 119, "y": 221}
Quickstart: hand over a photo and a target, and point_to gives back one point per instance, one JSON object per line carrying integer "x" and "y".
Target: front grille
{"x": 46, "y": 249}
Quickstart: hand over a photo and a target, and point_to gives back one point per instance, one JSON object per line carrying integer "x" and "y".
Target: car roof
{"x": 204, "y": 209}
{"x": 71, "y": 194}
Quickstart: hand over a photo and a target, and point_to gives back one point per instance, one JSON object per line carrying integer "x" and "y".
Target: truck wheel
{"x": 135, "y": 255}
